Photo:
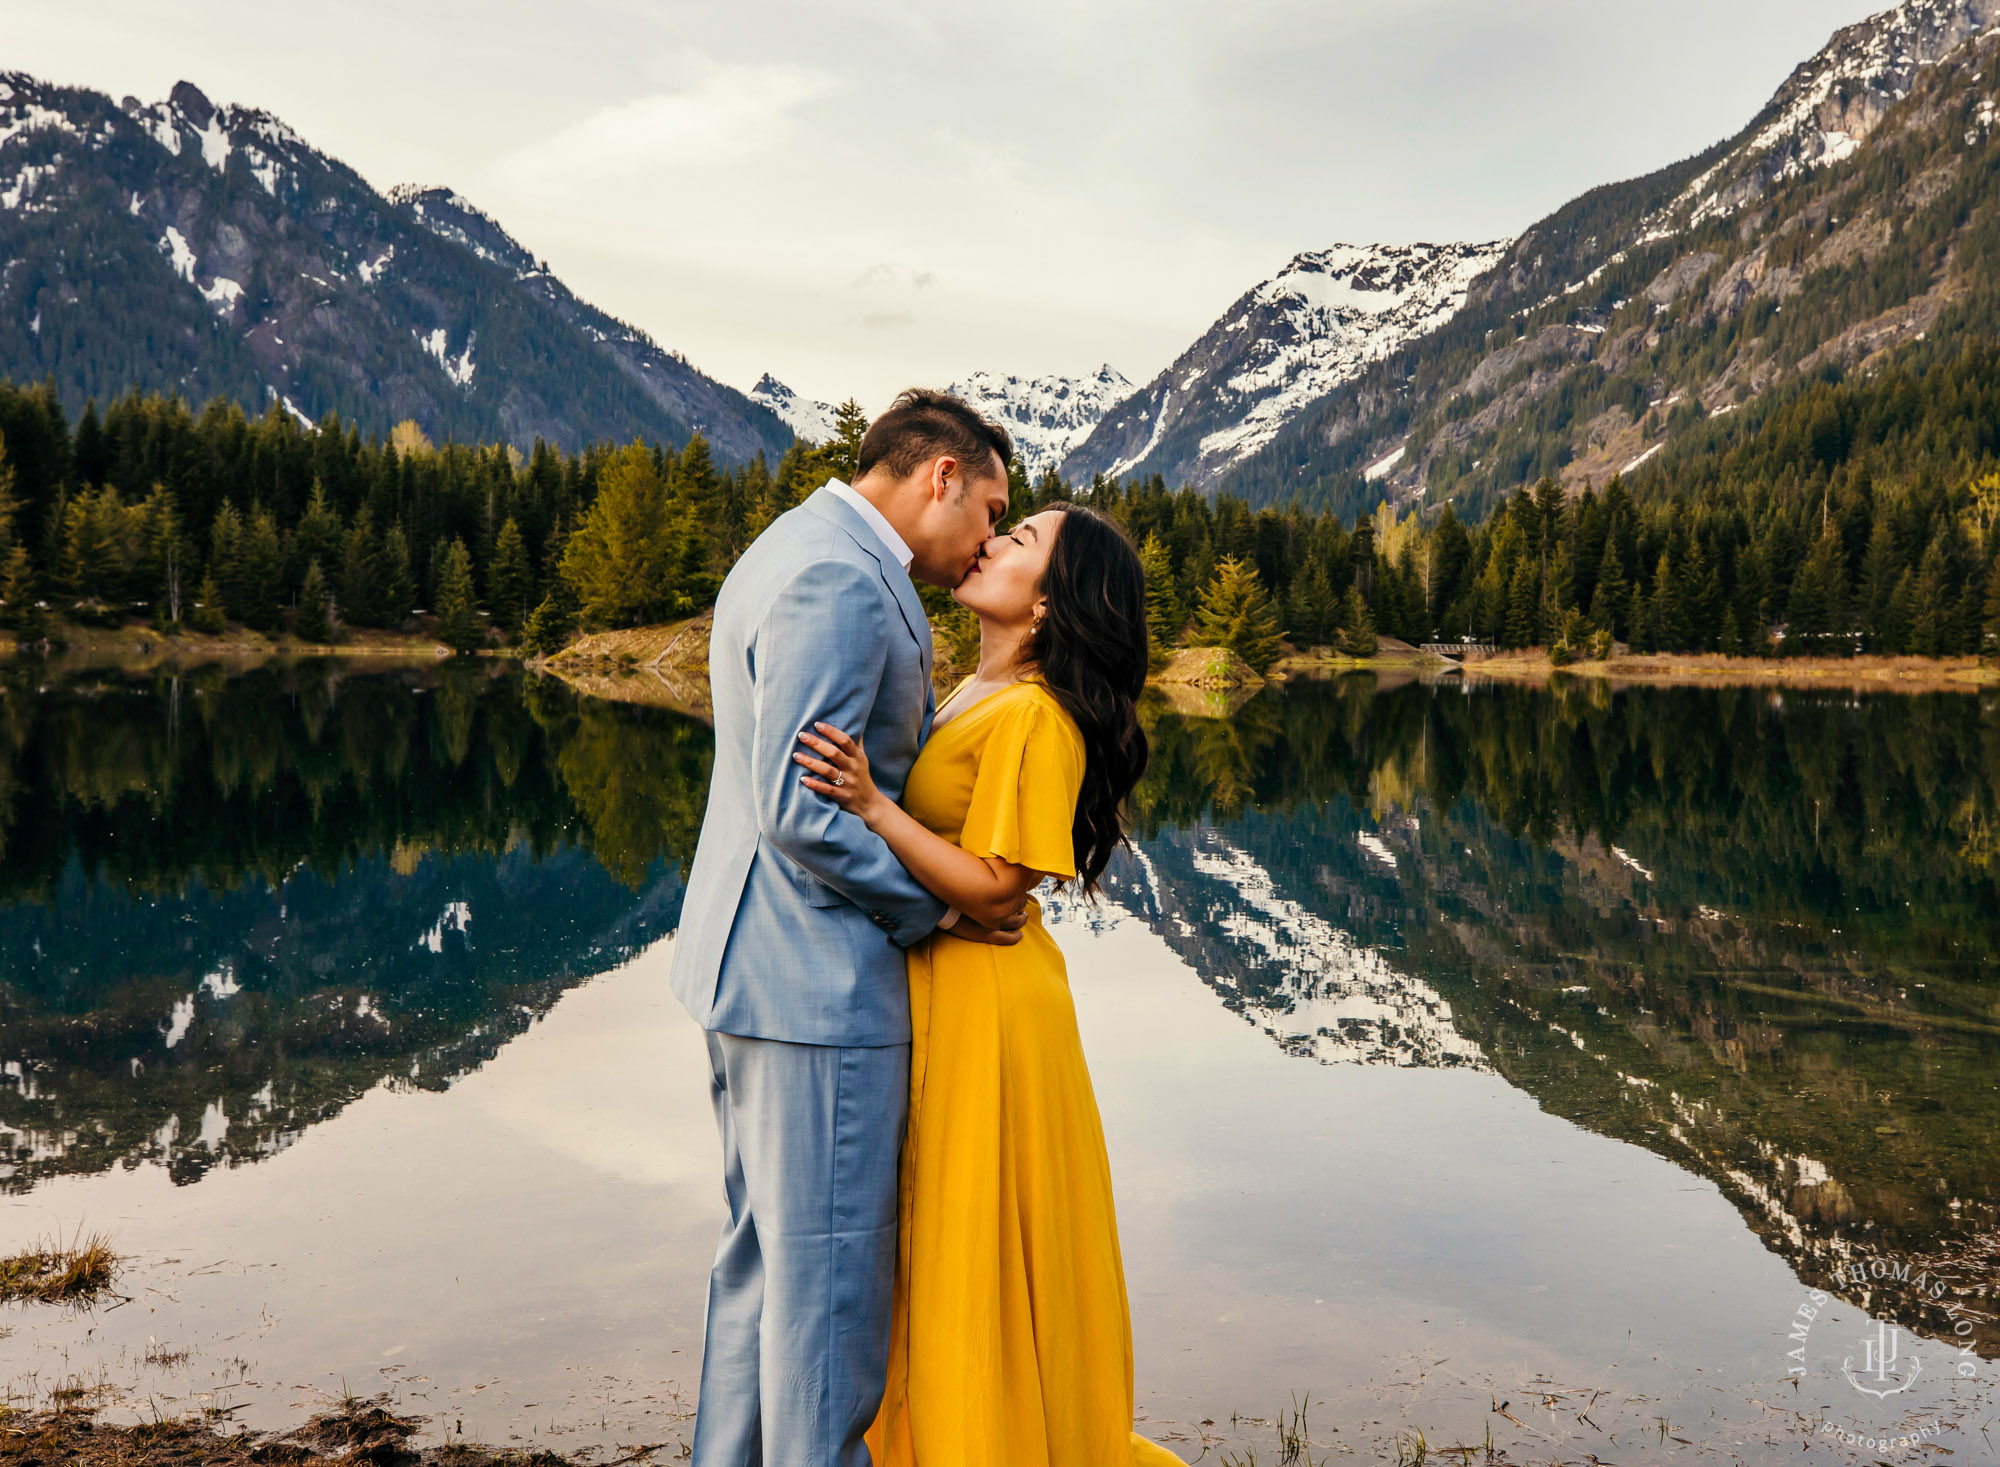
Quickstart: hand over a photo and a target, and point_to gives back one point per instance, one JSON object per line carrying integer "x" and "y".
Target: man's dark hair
{"x": 922, "y": 424}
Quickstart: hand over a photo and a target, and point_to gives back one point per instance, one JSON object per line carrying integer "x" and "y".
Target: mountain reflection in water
{"x": 1752, "y": 933}
{"x": 230, "y": 906}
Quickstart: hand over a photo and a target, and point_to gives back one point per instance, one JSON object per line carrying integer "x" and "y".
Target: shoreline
{"x": 354, "y": 1432}
{"x": 667, "y": 665}
{"x": 141, "y": 643}
{"x": 1714, "y": 670}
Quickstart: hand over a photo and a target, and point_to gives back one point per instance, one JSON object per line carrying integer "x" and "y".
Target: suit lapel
{"x": 831, "y": 508}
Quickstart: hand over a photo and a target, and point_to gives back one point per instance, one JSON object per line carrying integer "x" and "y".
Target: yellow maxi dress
{"x": 1012, "y": 1341}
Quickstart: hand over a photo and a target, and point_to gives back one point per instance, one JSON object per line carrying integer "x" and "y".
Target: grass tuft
{"x": 52, "y": 1273}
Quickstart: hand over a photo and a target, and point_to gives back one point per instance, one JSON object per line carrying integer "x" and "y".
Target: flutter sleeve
{"x": 1024, "y": 795}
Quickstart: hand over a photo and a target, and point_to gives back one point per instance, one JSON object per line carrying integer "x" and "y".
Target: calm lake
{"x": 1602, "y": 1075}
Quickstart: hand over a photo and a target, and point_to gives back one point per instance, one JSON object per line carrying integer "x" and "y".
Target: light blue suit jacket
{"x": 796, "y": 913}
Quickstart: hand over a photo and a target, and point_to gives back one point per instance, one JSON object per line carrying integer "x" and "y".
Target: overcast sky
{"x": 862, "y": 195}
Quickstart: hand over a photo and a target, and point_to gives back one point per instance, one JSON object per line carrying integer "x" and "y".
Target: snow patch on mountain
{"x": 1346, "y": 307}
{"x": 1049, "y": 415}
{"x": 449, "y": 214}
{"x": 810, "y": 419}
{"x": 1318, "y": 323}
{"x": 1828, "y": 108}
{"x": 459, "y": 368}
{"x": 29, "y": 117}
{"x": 179, "y": 254}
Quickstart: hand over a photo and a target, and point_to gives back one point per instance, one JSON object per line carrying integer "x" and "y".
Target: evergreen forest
{"x": 1858, "y": 518}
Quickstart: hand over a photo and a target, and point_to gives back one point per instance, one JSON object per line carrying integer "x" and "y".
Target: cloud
{"x": 894, "y": 277}
{"x": 729, "y": 114}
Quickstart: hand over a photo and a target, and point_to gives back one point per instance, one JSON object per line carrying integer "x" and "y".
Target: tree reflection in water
{"x": 1755, "y": 933}
{"x": 234, "y": 904}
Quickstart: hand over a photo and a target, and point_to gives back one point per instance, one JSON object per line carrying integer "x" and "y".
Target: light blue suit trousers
{"x": 798, "y": 1305}
{"x": 790, "y": 954}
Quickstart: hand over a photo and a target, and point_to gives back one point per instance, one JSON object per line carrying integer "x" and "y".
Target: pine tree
{"x": 549, "y": 629}
{"x": 20, "y": 601}
{"x": 1639, "y": 621}
{"x": 263, "y": 574}
{"x": 1880, "y": 571}
{"x": 398, "y": 583}
{"x": 1357, "y": 627}
{"x": 209, "y": 615}
{"x": 1701, "y": 601}
{"x": 10, "y": 505}
{"x": 843, "y": 450}
{"x": 89, "y": 452}
{"x": 622, "y": 558}
{"x": 162, "y": 555}
{"x": 318, "y": 536}
{"x": 1818, "y": 600}
{"x": 361, "y": 572}
{"x": 697, "y": 503}
{"x": 1670, "y": 620}
{"x": 1931, "y": 631}
{"x": 225, "y": 556}
{"x": 509, "y": 580}
{"x": 1610, "y": 600}
{"x": 313, "y": 621}
{"x": 1236, "y": 613}
{"x": 457, "y": 614}
{"x": 97, "y": 544}
{"x": 1164, "y": 616}
{"x": 1522, "y": 599}
{"x": 1314, "y": 612}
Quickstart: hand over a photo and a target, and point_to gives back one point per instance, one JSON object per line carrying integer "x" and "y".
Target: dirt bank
{"x": 1710, "y": 670}
{"x": 358, "y": 1434}
{"x": 141, "y": 644}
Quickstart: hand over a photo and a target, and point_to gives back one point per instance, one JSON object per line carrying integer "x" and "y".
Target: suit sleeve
{"x": 821, "y": 654}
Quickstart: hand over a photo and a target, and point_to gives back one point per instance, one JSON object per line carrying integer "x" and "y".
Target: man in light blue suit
{"x": 790, "y": 950}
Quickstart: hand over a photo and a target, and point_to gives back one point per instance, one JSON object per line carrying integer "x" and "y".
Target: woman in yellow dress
{"x": 1012, "y": 1338}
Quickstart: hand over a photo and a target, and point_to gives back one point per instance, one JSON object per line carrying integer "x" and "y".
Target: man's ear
{"x": 942, "y": 468}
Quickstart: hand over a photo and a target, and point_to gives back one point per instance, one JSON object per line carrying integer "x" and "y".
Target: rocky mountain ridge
{"x": 1282, "y": 346}
{"x": 1048, "y": 415}
{"x": 1844, "y": 222}
{"x": 808, "y": 417}
{"x": 210, "y": 249}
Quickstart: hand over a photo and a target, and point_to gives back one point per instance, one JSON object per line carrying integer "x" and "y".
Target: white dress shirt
{"x": 874, "y": 519}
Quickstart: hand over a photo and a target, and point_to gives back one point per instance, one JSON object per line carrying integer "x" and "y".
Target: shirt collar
{"x": 874, "y": 519}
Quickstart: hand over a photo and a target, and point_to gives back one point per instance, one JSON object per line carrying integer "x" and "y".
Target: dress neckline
{"x": 971, "y": 708}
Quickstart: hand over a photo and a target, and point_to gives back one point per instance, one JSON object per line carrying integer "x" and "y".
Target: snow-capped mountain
{"x": 808, "y": 417}
{"x": 1832, "y": 104}
{"x": 1850, "y": 204}
{"x": 1047, "y": 416}
{"x": 1318, "y": 323}
{"x": 210, "y": 250}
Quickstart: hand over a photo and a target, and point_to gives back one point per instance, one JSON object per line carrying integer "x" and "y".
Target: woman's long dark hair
{"x": 1092, "y": 652}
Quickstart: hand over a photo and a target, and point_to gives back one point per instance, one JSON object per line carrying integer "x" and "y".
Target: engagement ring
{"x": 840, "y": 779}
